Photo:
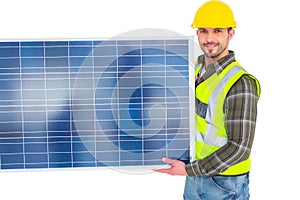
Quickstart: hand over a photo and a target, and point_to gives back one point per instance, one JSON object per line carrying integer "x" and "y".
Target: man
{"x": 225, "y": 118}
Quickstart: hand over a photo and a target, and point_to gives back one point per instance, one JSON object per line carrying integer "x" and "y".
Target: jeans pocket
{"x": 223, "y": 183}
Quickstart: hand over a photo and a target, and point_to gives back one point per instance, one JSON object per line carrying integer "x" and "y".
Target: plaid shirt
{"x": 240, "y": 108}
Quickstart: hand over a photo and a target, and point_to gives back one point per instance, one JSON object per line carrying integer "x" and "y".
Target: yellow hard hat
{"x": 214, "y": 14}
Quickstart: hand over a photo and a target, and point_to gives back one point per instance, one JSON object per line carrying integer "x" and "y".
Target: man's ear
{"x": 231, "y": 34}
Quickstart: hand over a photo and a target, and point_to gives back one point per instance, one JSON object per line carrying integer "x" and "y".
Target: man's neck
{"x": 209, "y": 60}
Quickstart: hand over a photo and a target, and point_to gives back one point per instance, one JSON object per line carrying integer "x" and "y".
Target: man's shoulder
{"x": 245, "y": 84}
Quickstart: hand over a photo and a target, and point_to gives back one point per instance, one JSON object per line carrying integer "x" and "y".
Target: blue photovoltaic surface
{"x": 93, "y": 103}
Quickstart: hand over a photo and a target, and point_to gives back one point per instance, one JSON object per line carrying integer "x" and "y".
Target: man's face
{"x": 214, "y": 41}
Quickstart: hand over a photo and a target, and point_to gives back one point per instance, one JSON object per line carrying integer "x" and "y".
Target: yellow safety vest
{"x": 209, "y": 117}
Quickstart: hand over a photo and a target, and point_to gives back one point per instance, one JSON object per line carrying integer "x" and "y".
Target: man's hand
{"x": 177, "y": 167}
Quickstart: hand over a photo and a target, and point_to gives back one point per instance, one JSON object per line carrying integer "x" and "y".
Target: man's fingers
{"x": 165, "y": 170}
{"x": 162, "y": 170}
{"x": 168, "y": 160}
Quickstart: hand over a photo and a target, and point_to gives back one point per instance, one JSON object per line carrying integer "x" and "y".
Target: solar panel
{"x": 94, "y": 103}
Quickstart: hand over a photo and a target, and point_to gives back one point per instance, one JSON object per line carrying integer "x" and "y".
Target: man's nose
{"x": 210, "y": 37}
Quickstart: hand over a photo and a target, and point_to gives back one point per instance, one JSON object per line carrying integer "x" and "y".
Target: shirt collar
{"x": 219, "y": 65}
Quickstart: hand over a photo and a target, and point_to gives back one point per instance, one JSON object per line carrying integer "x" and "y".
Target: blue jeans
{"x": 217, "y": 187}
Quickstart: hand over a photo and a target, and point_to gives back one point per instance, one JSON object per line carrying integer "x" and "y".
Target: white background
{"x": 266, "y": 44}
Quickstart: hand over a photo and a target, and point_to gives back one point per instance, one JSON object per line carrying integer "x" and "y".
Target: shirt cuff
{"x": 194, "y": 169}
